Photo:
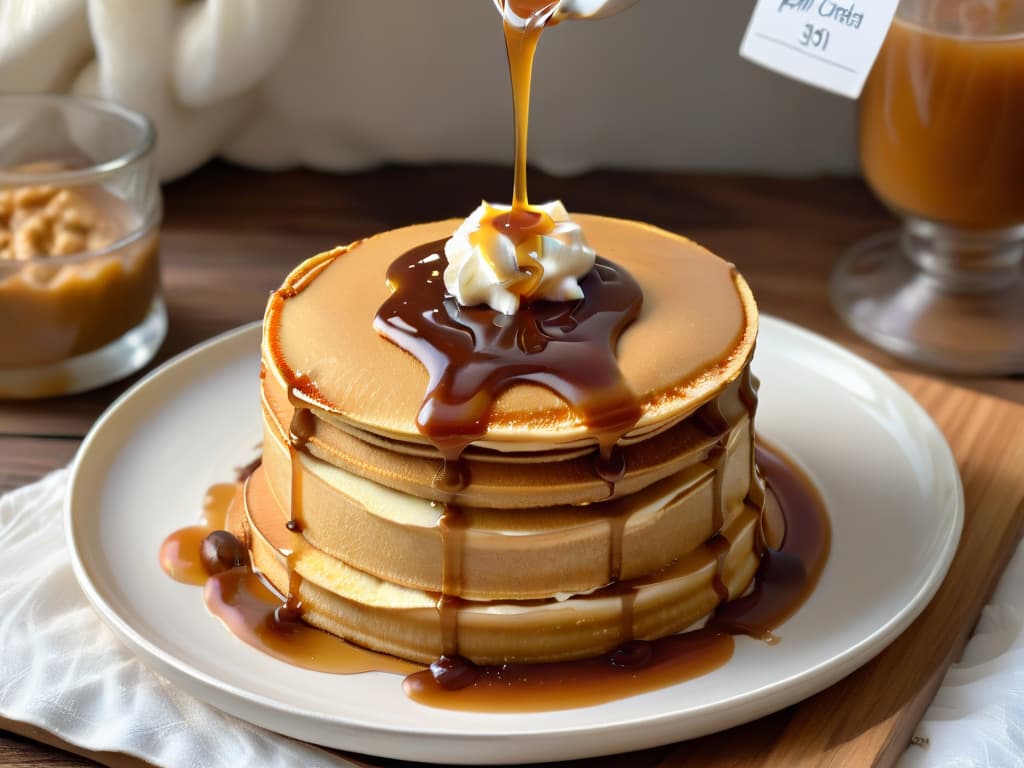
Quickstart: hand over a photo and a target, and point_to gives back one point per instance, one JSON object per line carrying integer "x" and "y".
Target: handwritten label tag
{"x": 825, "y": 43}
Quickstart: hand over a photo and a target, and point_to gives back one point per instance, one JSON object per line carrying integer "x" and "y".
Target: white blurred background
{"x": 347, "y": 84}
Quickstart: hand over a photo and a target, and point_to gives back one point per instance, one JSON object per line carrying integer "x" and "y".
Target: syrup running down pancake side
{"x": 796, "y": 532}
{"x": 472, "y": 354}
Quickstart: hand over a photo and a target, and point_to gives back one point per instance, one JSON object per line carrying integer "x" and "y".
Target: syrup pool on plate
{"x": 795, "y": 533}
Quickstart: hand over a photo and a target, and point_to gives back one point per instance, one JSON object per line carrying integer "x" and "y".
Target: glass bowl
{"x": 80, "y": 210}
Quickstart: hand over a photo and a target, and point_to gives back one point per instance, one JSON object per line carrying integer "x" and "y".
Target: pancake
{"x": 506, "y": 479}
{"x": 406, "y": 622}
{"x": 550, "y": 544}
{"x": 695, "y": 334}
{"x": 526, "y": 553}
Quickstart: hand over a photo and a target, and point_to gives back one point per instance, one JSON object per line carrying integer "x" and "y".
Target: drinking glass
{"x": 942, "y": 146}
{"x": 80, "y": 209}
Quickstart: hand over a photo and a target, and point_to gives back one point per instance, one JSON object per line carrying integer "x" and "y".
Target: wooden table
{"x": 231, "y": 235}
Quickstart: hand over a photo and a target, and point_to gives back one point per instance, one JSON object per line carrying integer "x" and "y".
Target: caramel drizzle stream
{"x": 300, "y": 431}
{"x": 718, "y": 544}
{"x": 756, "y": 493}
{"x": 522, "y": 23}
{"x": 452, "y": 527}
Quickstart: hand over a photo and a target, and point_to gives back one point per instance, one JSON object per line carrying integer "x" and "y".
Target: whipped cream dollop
{"x": 500, "y": 261}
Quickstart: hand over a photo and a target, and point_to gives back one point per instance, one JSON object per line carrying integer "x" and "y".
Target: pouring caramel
{"x": 523, "y": 22}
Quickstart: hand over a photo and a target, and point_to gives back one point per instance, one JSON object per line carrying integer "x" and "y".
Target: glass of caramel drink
{"x": 942, "y": 145}
{"x": 80, "y": 209}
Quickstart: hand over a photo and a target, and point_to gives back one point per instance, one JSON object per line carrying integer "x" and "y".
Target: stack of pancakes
{"x": 537, "y": 557}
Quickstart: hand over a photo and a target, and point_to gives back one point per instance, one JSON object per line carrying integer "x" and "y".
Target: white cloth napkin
{"x": 977, "y": 717}
{"x": 62, "y": 670}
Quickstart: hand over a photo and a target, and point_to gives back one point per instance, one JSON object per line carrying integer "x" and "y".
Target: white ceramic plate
{"x": 888, "y": 478}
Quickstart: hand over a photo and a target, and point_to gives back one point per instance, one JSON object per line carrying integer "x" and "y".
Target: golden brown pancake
{"x": 523, "y": 553}
{"x": 537, "y": 557}
{"x": 695, "y": 334}
{"x": 405, "y": 622}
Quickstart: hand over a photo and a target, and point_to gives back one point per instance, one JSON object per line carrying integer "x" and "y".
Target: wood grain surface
{"x": 867, "y": 719}
{"x": 231, "y": 235}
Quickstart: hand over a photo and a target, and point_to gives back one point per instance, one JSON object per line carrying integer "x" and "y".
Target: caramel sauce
{"x": 716, "y": 458}
{"x": 796, "y": 541}
{"x": 617, "y": 522}
{"x": 718, "y": 544}
{"x": 756, "y": 498}
{"x": 524, "y": 227}
{"x": 719, "y": 547}
{"x": 251, "y": 609}
{"x": 789, "y": 569}
{"x": 610, "y": 466}
{"x": 565, "y": 685}
{"x": 253, "y": 613}
{"x": 180, "y": 555}
{"x": 521, "y": 225}
{"x": 452, "y": 526}
{"x": 301, "y": 429}
{"x": 523, "y": 21}
{"x": 472, "y": 354}
{"x": 796, "y": 537}
{"x": 243, "y": 473}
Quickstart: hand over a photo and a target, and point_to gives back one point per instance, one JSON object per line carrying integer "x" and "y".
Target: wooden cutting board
{"x": 868, "y": 718}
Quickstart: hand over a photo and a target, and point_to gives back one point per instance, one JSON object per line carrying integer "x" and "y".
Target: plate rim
{"x": 753, "y": 700}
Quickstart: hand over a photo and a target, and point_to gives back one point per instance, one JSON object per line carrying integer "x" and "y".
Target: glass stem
{"x": 963, "y": 260}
